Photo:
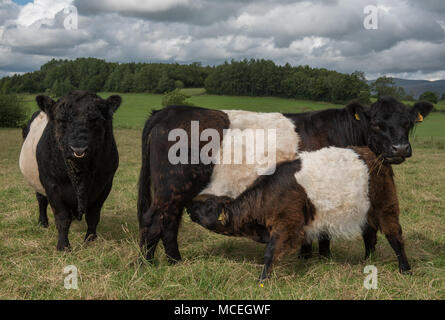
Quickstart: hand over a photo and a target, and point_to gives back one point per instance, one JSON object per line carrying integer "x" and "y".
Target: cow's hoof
{"x": 326, "y": 255}
{"x": 90, "y": 237}
{"x": 305, "y": 254}
{"x": 173, "y": 261}
{"x": 63, "y": 246}
{"x": 261, "y": 282}
{"x": 369, "y": 254}
{"x": 405, "y": 269}
{"x": 44, "y": 224}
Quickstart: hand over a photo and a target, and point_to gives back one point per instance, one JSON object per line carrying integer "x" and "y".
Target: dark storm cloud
{"x": 196, "y": 12}
{"x": 410, "y": 38}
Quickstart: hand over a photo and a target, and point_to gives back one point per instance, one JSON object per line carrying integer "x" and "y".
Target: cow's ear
{"x": 45, "y": 103}
{"x": 421, "y": 110}
{"x": 114, "y": 103}
{"x": 357, "y": 110}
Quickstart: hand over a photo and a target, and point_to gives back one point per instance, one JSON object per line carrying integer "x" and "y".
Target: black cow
{"x": 165, "y": 188}
{"x": 70, "y": 157}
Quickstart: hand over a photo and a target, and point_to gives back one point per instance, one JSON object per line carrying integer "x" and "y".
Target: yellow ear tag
{"x": 419, "y": 118}
{"x": 357, "y": 117}
{"x": 222, "y": 216}
{"x": 262, "y": 285}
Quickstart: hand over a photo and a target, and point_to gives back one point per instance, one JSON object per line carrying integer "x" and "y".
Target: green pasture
{"x": 215, "y": 266}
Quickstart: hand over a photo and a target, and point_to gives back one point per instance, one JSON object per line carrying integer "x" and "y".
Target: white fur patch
{"x": 28, "y": 159}
{"x": 337, "y": 183}
{"x": 232, "y": 179}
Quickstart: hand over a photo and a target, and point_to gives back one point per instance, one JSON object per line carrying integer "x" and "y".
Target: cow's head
{"x": 80, "y": 122}
{"x": 389, "y": 123}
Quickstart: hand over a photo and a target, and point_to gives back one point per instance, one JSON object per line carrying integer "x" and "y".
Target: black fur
{"x": 77, "y": 184}
{"x": 172, "y": 185}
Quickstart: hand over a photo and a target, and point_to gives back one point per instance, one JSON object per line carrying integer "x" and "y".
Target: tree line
{"x": 255, "y": 77}
{"x": 247, "y": 77}
{"x": 58, "y": 77}
{"x": 265, "y": 78}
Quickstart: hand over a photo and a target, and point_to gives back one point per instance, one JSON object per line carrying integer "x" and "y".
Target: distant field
{"x": 136, "y": 108}
{"x": 441, "y": 105}
{"x": 215, "y": 266}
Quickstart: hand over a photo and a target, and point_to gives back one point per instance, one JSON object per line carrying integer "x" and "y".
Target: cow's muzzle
{"x": 79, "y": 152}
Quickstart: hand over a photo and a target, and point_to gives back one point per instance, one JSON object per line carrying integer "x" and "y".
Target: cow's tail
{"x": 144, "y": 193}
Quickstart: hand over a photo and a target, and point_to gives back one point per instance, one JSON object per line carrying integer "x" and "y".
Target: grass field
{"x": 214, "y": 266}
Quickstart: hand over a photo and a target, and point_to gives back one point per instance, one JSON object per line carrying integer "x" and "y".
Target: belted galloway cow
{"x": 69, "y": 157}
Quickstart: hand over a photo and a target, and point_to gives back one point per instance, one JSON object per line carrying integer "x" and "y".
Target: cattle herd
{"x": 332, "y": 174}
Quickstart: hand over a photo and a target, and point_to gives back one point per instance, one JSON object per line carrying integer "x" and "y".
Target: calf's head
{"x": 80, "y": 122}
{"x": 389, "y": 123}
{"x": 210, "y": 212}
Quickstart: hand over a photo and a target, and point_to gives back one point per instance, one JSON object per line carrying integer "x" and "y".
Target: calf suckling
{"x": 339, "y": 192}
{"x": 166, "y": 187}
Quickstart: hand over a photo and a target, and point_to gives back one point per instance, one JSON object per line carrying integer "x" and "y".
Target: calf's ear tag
{"x": 222, "y": 217}
{"x": 357, "y": 117}
{"x": 419, "y": 118}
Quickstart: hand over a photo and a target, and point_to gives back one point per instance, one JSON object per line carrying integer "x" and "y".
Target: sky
{"x": 407, "y": 39}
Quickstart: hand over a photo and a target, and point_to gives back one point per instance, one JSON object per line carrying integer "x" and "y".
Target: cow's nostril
{"x": 79, "y": 152}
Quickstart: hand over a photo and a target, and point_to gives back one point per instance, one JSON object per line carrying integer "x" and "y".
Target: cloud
{"x": 196, "y": 12}
{"x": 409, "y": 41}
{"x": 40, "y": 10}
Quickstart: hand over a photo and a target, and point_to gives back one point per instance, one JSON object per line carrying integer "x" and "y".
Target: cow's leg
{"x": 162, "y": 219}
{"x": 391, "y": 228}
{"x": 43, "y": 206}
{"x": 306, "y": 249}
{"x": 63, "y": 221}
{"x": 396, "y": 241}
{"x": 269, "y": 257}
{"x": 284, "y": 239}
{"x": 150, "y": 231}
{"x": 170, "y": 227}
{"x": 370, "y": 239}
{"x": 153, "y": 228}
{"x": 63, "y": 217}
{"x": 92, "y": 216}
{"x": 324, "y": 243}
